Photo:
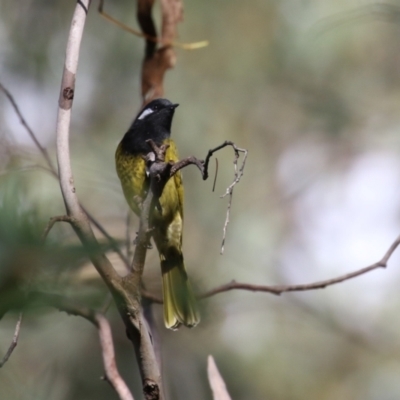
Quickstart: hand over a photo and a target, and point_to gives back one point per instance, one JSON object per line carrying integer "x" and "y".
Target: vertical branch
{"x": 216, "y": 381}
{"x": 65, "y": 105}
{"x": 80, "y": 223}
{"x": 157, "y": 61}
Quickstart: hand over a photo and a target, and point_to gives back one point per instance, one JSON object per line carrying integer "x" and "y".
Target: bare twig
{"x": 52, "y": 221}
{"x": 52, "y": 170}
{"x": 216, "y": 174}
{"x": 114, "y": 244}
{"x": 185, "y": 46}
{"x": 279, "y": 289}
{"x": 14, "y": 342}
{"x": 112, "y": 375}
{"x": 203, "y": 167}
{"x": 110, "y": 366}
{"x": 150, "y": 297}
{"x": 216, "y": 381}
{"x": 27, "y": 127}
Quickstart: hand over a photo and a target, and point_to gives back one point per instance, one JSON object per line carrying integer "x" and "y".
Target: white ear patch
{"x": 145, "y": 113}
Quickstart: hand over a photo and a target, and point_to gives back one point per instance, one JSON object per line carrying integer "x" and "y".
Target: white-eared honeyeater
{"x": 154, "y": 122}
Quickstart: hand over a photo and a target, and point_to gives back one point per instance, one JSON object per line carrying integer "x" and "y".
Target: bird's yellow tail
{"x": 180, "y": 305}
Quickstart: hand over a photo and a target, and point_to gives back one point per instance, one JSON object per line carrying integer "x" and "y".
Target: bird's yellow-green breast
{"x": 131, "y": 170}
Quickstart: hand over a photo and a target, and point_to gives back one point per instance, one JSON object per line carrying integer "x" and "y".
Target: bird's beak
{"x": 174, "y": 105}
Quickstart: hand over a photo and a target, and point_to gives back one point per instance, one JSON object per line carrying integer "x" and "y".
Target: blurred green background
{"x": 312, "y": 90}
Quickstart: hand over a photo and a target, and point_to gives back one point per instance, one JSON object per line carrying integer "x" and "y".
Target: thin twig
{"x": 110, "y": 366}
{"x": 216, "y": 174}
{"x": 203, "y": 167}
{"x": 52, "y": 221}
{"x": 224, "y": 229}
{"x": 114, "y": 244}
{"x": 52, "y": 170}
{"x": 112, "y": 375}
{"x": 279, "y": 289}
{"x": 151, "y": 297}
{"x": 27, "y": 127}
{"x": 14, "y": 342}
{"x": 184, "y": 46}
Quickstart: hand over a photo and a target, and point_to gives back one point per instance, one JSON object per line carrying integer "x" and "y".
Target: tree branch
{"x": 203, "y": 167}
{"x": 279, "y": 289}
{"x": 157, "y": 61}
{"x": 110, "y": 366}
{"x": 112, "y": 375}
{"x": 52, "y": 170}
{"x": 216, "y": 381}
{"x": 80, "y": 220}
{"x": 14, "y": 342}
{"x": 51, "y": 223}
{"x": 185, "y": 46}
{"x": 44, "y": 152}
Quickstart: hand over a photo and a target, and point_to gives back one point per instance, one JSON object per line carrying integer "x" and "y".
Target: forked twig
{"x": 203, "y": 167}
{"x": 52, "y": 221}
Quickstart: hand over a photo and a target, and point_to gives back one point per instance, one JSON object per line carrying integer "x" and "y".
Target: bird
{"x": 154, "y": 122}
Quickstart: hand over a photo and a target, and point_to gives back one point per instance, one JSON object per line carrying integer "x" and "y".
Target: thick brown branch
{"x": 157, "y": 61}
{"x": 185, "y": 46}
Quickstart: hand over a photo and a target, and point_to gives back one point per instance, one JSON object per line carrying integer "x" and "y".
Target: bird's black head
{"x": 153, "y": 122}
